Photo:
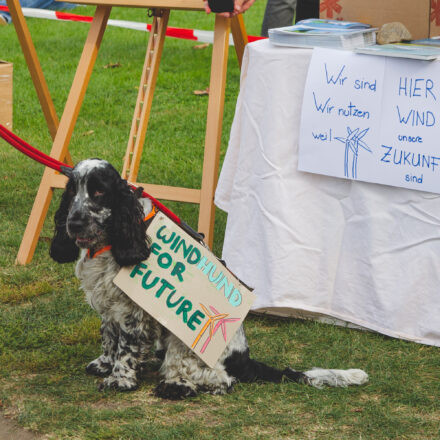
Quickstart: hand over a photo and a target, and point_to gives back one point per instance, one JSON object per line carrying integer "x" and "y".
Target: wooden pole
{"x": 30, "y": 55}
{"x": 214, "y": 122}
{"x": 239, "y": 34}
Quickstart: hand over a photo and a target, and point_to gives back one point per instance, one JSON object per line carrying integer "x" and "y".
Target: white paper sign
{"x": 374, "y": 119}
{"x": 185, "y": 287}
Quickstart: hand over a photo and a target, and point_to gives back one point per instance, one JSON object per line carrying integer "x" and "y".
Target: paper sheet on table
{"x": 372, "y": 119}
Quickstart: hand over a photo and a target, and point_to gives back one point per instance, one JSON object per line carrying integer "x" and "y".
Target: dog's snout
{"x": 76, "y": 222}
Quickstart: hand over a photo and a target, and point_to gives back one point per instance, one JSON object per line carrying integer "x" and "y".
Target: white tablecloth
{"x": 364, "y": 253}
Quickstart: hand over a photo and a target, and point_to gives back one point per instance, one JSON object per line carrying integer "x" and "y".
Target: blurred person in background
{"x": 281, "y": 13}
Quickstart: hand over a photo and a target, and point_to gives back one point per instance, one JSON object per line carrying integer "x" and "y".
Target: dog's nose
{"x": 76, "y": 223}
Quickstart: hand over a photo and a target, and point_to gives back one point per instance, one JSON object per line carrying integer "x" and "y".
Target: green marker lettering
{"x": 165, "y": 285}
{"x": 185, "y": 249}
{"x": 163, "y": 237}
{"x": 195, "y": 319}
{"x": 164, "y": 260}
{"x": 184, "y": 308}
{"x": 194, "y": 256}
{"x": 155, "y": 248}
{"x": 178, "y": 269}
{"x": 145, "y": 284}
{"x": 173, "y": 304}
{"x": 137, "y": 270}
{"x": 176, "y": 240}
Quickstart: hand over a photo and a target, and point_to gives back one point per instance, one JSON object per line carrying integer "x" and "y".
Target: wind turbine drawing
{"x": 214, "y": 322}
{"x": 352, "y": 143}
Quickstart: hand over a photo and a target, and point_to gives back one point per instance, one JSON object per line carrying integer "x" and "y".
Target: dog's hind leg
{"x": 185, "y": 374}
{"x": 103, "y": 365}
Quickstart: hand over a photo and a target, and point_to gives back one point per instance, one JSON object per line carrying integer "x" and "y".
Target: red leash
{"x": 30, "y": 151}
{"x": 61, "y": 167}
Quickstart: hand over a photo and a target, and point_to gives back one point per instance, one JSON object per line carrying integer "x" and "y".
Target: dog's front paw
{"x": 175, "y": 390}
{"x": 119, "y": 383}
{"x": 99, "y": 368}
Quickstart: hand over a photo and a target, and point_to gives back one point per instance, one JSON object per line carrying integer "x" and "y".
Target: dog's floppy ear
{"x": 62, "y": 248}
{"x": 127, "y": 229}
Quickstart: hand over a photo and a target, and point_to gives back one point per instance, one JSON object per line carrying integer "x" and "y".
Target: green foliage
{"x": 48, "y": 333}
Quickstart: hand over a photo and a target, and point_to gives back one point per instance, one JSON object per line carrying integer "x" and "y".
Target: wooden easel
{"x": 63, "y": 133}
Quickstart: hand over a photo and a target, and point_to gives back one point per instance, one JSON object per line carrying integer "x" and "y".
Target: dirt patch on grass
{"x": 11, "y": 431}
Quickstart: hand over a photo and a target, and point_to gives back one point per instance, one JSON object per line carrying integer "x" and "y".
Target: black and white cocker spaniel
{"x": 101, "y": 221}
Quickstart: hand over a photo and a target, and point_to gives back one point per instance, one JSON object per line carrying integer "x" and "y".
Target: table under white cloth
{"x": 363, "y": 253}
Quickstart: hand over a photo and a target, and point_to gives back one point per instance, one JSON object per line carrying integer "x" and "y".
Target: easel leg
{"x": 214, "y": 126}
{"x": 30, "y": 55}
{"x": 34, "y": 66}
{"x": 64, "y": 133}
{"x": 239, "y": 34}
{"x": 144, "y": 101}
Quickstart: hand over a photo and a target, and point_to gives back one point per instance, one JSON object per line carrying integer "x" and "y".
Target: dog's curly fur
{"x": 97, "y": 209}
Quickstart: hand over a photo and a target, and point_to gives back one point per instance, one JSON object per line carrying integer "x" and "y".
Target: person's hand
{"x": 240, "y": 6}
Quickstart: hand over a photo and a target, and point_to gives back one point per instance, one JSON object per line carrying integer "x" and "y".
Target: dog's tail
{"x": 318, "y": 377}
{"x": 245, "y": 369}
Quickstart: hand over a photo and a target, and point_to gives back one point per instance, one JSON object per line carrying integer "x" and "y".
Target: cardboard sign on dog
{"x": 188, "y": 290}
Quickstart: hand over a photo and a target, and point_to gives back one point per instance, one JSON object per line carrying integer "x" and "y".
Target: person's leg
{"x": 307, "y": 9}
{"x": 278, "y": 13}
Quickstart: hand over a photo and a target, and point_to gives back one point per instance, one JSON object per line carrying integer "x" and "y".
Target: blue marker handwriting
{"x": 410, "y": 139}
{"x": 326, "y": 136}
{"x": 323, "y": 107}
{"x": 396, "y": 156}
{"x": 415, "y": 118}
{"x": 351, "y": 110}
{"x": 414, "y": 178}
{"x": 416, "y": 88}
{"x": 362, "y": 84}
{"x": 338, "y": 78}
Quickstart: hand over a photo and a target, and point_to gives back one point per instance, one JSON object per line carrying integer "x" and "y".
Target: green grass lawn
{"x": 47, "y": 332}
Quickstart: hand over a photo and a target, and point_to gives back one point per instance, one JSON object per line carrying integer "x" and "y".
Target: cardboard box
{"x": 421, "y": 17}
{"x": 6, "y": 94}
